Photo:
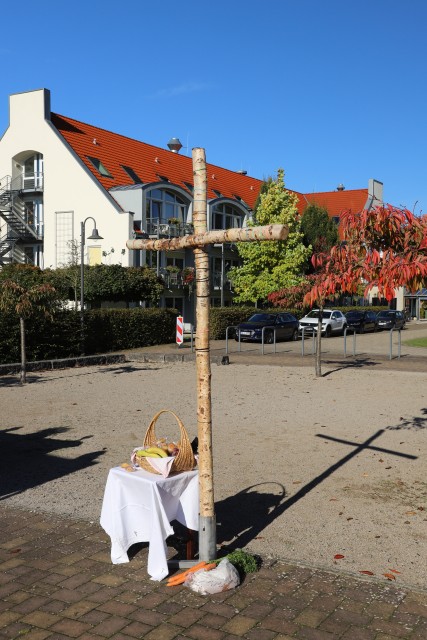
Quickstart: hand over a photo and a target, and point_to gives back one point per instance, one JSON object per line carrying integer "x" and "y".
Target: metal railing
{"x": 314, "y": 343}
{"x": 160, "y": 227}
{"x": 188, "y": 328}
{"x": 237, "y": 333}
{"x": 269, "y": 329}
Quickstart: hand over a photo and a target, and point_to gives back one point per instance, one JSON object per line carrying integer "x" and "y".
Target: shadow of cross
{"x": 252, "y": 517}
{"x": 199, "y": 241}
{"x": 358, "y": 448}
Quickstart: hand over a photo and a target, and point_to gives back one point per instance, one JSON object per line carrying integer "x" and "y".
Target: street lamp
{"x": 93, "y": 236}
{"x": 222, "y": 273}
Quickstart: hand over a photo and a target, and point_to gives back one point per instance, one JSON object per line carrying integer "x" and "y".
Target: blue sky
{"x": 333, "y": 91}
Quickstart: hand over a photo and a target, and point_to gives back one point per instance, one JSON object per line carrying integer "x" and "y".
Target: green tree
{"x": 319, "y": 230}
{"x": 108, "y": 282}
{"x": 269, "y": 266}
{"x": 121, "y": 284}
{"x": 25, "y": 293}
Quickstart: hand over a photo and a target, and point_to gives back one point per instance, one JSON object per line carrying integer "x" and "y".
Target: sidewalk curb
{"x": 114, "y": 358}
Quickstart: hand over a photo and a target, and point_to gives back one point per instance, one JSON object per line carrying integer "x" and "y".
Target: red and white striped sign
{"x": 179, "y": 330}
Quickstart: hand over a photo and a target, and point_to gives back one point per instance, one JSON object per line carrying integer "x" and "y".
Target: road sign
{"x": 179, "y": 330}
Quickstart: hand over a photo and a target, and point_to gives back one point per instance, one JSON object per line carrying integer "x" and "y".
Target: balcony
{"x": 175, "y": 278}
{"x": 30, "y": 182}
{"x": 171, "y": 228}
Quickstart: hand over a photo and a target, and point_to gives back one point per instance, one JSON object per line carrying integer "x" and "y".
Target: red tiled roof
{"x": 147, "y": 161}
{"x": 338, "y": 201}
{"x": 152, "y": 164}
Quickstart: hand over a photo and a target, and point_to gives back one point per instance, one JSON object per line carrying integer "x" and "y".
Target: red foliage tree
{"x": 384, "y": 247}
{"x": 292, "y": 297}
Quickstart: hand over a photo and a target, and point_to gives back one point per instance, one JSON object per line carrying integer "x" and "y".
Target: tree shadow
{"x": 127, "y": 369}
{"x": 27, "y": 460}
{"x": 415, "y": 423}
{"x": 13, "y": 380}
{"x": 10, "y": 381}
{"x": 242, "y": 517}
{"x": 358, "y": 363}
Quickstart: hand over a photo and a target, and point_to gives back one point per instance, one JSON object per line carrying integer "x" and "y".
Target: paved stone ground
{"x": 57, "y": 582}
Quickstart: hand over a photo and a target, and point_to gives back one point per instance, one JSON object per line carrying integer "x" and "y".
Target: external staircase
{"x": 18, "y": 230}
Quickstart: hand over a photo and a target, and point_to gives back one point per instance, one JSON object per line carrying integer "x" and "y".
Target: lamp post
{"x": 93, "y": 236}
{"x": 222, "y": 273}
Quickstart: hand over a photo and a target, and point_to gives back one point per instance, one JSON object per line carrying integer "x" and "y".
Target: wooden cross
{"x": 199, "y": 241}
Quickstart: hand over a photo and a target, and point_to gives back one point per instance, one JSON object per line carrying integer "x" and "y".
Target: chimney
{"x": 375, "y": 192}
{"x": 175, "y": 145}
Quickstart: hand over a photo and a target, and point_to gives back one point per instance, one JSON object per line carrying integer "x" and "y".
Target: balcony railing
{"x": 159, "y": 228}
{"x": 32, "y": 181}
{"x": 186, "y": 278}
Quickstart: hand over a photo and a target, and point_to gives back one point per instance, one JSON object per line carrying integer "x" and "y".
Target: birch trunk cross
{"x": 200, "y": 241}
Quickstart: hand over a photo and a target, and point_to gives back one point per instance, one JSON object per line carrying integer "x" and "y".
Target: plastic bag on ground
{"x": 225, "y": 576}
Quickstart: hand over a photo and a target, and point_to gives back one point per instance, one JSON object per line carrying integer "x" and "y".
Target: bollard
{"x": 345, "y": 341}
{"x": 226, "y": 338}
{"x": 262, "y": 338}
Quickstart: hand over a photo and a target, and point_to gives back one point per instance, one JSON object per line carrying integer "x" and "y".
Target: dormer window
{"x": 100, "y": 167}
{"x": 132, "y": 175}
{"x": 189, "y": 186}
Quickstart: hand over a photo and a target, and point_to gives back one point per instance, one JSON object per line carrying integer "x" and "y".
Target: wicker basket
{"x": 184, "y": 459}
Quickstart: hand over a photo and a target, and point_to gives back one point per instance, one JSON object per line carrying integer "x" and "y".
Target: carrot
{"x": 210, "y": 566}
{"x": 180, "y": 578}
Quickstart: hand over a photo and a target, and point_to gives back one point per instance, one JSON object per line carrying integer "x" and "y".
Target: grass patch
{"x": 416, "y": 342}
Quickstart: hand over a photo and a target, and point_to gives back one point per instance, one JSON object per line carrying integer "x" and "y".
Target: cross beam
{"x": 248, "y": 234}
{"x": 199, "y": 241}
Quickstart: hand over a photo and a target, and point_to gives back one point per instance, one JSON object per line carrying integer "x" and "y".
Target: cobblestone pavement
{"x": 57, "y": 582}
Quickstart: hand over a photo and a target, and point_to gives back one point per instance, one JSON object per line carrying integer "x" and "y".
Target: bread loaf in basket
{"x": 184, "y": 459}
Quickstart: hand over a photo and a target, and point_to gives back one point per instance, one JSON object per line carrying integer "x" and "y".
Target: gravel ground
{"x": 305, "y": 468}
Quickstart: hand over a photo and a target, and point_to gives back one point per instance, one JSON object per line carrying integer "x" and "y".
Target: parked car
{"x": 333, "y": 321}
{"x": 362, "y": 321}
{"x": 285, "y": 324}
{"x": 391, "y": 319}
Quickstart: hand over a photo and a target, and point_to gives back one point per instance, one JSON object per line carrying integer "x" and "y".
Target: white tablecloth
{"x": 139, "y": 506}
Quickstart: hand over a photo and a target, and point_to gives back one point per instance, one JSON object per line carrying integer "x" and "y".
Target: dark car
{"x": 285, "y": 324}
{"x": 362, "y": 321}
{"x": 391, "y": 319}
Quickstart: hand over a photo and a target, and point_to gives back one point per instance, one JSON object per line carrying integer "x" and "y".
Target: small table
{"x": 139, "y": 506}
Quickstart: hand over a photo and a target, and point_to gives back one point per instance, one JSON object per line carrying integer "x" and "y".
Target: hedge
{"x": 108, "y": 330}
{"x": 105, "y": 330}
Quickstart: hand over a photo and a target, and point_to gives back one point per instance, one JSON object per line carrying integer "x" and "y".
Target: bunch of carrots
{"x": 180, "y": 578}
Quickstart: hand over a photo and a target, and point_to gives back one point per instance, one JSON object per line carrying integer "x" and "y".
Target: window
{"x": 175, "y": 303}
{"x": 33, "y": 172}
{"x": 163, "y": 205}
{"x": 225, "y": 216}
{"x": 174, "y": 262}
{"x": 131, "y": 173}
{"x": 100, "y": 167}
